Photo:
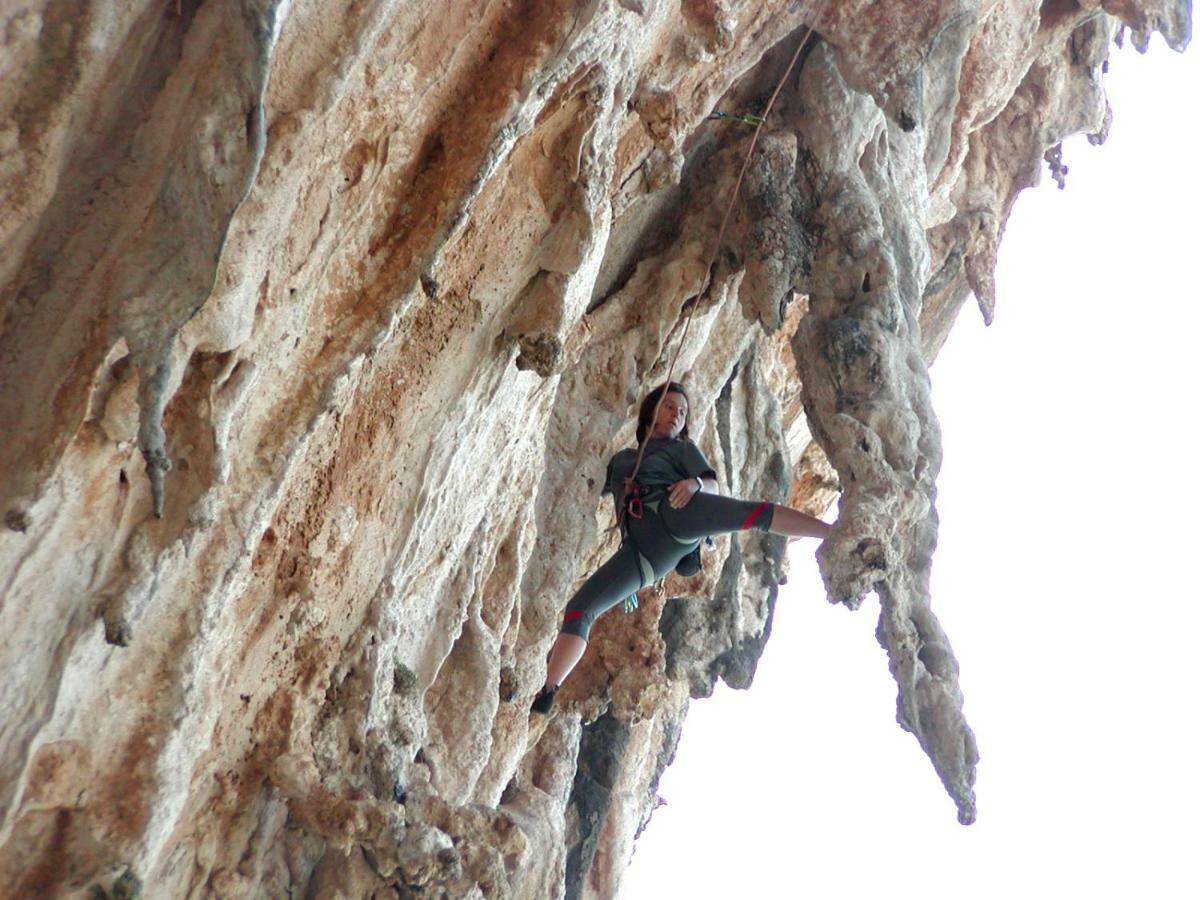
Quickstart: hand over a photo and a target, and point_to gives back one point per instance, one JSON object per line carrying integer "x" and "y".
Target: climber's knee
{"x": 577, "y": 622}
{"x": 759, "y": 517}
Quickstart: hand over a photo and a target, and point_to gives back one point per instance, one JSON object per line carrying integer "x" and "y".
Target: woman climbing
{"x": 671, "y": 506}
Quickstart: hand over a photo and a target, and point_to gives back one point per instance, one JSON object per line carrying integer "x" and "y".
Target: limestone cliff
{"x": 318, "y": 322}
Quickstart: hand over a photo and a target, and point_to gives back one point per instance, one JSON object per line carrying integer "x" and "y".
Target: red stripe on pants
{"x": 572, "y": 616}
{"x": 753, "y": 517}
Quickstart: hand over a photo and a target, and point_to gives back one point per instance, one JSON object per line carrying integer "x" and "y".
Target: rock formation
{"x": 318, "y": 322}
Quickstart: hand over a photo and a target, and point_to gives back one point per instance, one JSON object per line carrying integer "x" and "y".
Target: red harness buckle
{"x": 633, "y": 500}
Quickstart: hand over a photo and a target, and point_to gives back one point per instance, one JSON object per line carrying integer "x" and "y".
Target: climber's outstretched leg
{"x": 793, "y": 523}
{"x": 710, "y": 514}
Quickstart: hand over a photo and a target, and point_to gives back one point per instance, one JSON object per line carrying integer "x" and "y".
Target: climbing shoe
{"x": 543, "y": 701}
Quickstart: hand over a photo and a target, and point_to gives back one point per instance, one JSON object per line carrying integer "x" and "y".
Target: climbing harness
{"x": 635, "y": 503}
{"x": 688, "y": 565}
{"x": 633, "y": 500}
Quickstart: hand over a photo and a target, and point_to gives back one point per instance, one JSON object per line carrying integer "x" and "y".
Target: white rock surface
{"x": 318, "y": 322}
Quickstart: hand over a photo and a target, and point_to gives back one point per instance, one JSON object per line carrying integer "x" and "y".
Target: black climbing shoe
{"x": 543, "y": 701}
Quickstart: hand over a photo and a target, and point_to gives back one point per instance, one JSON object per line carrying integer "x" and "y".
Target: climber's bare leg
{"x": 564, "y": 656}
{"x": 793, "y": 523}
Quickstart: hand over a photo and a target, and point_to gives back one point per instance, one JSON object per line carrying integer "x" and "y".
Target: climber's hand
{"x": 681, "y": 493}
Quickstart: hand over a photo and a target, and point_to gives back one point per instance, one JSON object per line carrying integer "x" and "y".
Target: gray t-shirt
{"x": 665, "y": 462}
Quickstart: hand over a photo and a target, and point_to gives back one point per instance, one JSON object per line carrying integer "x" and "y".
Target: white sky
{"x": 1066, "y": 578}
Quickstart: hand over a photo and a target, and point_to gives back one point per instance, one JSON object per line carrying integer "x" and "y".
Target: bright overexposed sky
{"x": 1067, "y": 577}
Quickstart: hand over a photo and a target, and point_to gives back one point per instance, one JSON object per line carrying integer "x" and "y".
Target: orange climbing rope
{"x": 629, "y": 481}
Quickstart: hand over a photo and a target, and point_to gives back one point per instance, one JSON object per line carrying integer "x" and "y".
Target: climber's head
{"x": 672, "y": 415}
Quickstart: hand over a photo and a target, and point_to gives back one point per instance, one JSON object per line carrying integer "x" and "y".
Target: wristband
{"x": 699, "y": 481}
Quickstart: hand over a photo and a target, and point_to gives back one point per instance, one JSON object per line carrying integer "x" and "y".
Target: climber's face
{"x": 672, "y": 415}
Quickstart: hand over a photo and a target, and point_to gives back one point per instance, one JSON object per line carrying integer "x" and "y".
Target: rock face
{"x": 318, "y": 324}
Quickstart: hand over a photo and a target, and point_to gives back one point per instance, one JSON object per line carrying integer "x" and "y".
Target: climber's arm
{"x": 682, "y": 491}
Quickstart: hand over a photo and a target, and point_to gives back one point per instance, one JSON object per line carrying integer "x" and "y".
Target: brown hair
{"x": 648, "y": 404}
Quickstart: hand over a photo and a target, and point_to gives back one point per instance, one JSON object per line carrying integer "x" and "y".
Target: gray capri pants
{"x": 664, "y": 535}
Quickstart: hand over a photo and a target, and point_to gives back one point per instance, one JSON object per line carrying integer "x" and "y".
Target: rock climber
{"x": 668, "y": 509}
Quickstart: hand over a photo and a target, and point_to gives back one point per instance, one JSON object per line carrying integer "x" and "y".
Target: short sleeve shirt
{"x": 665, "y": 462}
